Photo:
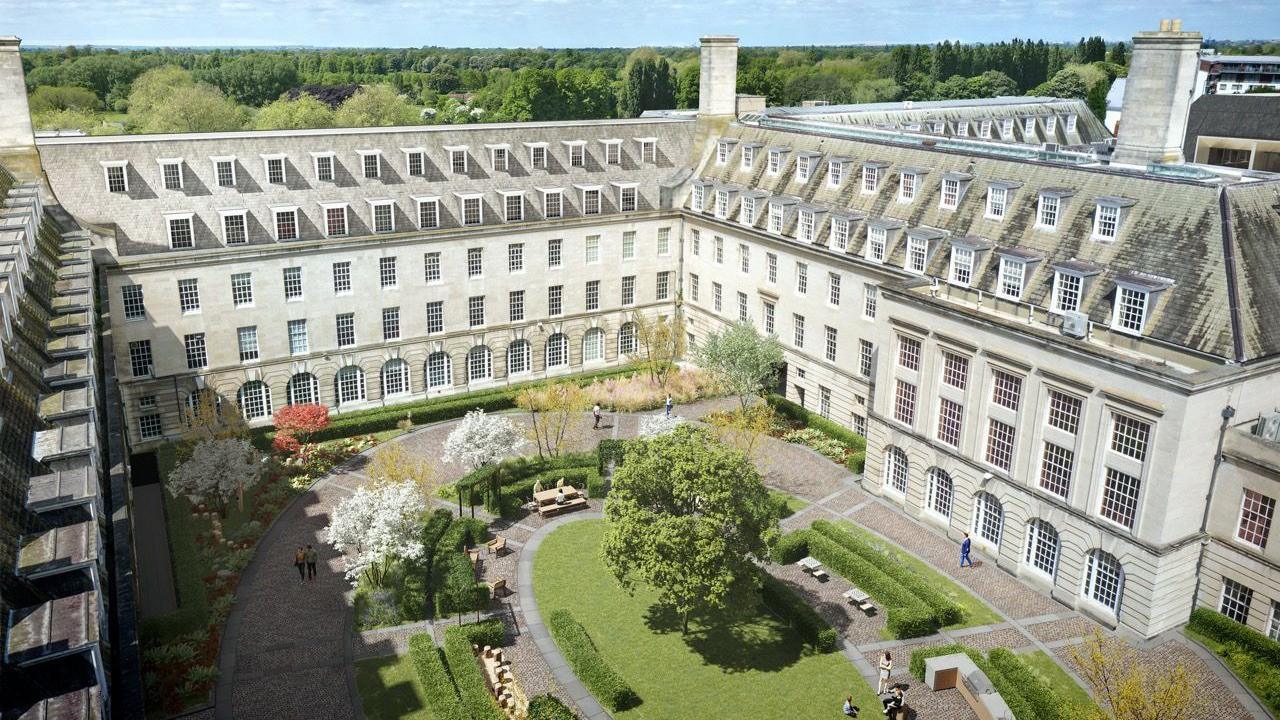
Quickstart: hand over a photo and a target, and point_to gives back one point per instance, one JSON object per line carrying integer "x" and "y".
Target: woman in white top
{"x": 886, "y": 669}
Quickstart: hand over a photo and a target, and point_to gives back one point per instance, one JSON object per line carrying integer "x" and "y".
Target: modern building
{"x": 1236, "y": 74}
{"x": 1040, "y": 341}
{"x": 1236, "y": 131}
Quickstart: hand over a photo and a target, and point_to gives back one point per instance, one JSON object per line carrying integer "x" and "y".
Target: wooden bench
{"x": 474, "y": 557}
{"x": 498, "y": 585}
{"x": 497, "y": 545}
{"x": 554, "y": 508}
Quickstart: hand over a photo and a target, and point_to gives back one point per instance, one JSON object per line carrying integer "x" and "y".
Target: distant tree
{"x": 588, "y": 94}
{"x": 206, "y": 416}
{"x": 551, "y": 410}
{"x": 330, "y": 95}
{"x": 998, "y": 84}
{"x": 690, "y": 518}
{"x": 647, "y": 84}
{"x": 443, "y": 79}
{"x": 742, "y": 359}
{"x": 192, "y": 108}
{"x": 687, "y": 78}
{"x": 480, "y": 441}
{"x": 153, "y": 87}
{"x": 376, "y": 106}
{"x": 1097, "y": 100}
{"x": 534, "y": 94}
{"x": 87, "y": 122}
{"x": 1068, "y": 83}
{"x": 304, "y": 112}
{"x": 659, "y": 343}
{"x": 879, "y": 90}
{"x": 104, "y": 73}
{"x": 392, "y": 463}
{"x": 52, "y": 98}
{"x": 255, "y": 78}
{"x": 217, "y": 471}
{"x": 301, "y": 421}
{"x": 1119, "y": 54}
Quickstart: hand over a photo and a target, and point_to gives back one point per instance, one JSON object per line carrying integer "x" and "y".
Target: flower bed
{"x": 638, "y": 392}
{"x": 794, "y": 424}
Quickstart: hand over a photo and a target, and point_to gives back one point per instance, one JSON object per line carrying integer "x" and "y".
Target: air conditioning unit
{"x": 1075, "y": 324}
{"x": 1268, "y": 427}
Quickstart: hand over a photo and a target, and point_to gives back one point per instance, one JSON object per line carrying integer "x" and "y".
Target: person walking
{"x": 886, "y": 669}
{"x": 299, "y": 561}
{"x": 312, "y": 556}
{"x": 669, "y": 404}
{"x": 964, "y": 551}
{"x": 595, "y": 412}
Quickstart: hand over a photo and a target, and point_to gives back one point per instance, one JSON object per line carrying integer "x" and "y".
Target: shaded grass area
{"x": 1063, "y": 684}
{"x": 790, "y": 504}
{"x": 976, "y": 612}
{"x": 732, "y": 667}
{"x": 390, "y": 689}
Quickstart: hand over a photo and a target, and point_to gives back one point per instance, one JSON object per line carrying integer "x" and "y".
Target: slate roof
{"x": 1173, "y": 230}
{"x": 1255, "y": 117}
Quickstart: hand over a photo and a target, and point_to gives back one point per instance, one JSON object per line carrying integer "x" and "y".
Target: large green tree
{"x": 690, "y": 518}
{"x": 255, "y": 78}
{"x": 741, "y": 358}
{"x": 191, "y": 108}
{"x": 376, "y": 106}
{"x": 284, "y": 114}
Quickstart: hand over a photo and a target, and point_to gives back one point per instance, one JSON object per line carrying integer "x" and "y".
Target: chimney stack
{"x": 15, "y": 116}
{"x": 718, "y": 76}
{"x": 1158, "y": 94}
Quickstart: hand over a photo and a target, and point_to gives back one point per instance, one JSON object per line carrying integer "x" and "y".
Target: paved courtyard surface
{"x": 289, "y": 648}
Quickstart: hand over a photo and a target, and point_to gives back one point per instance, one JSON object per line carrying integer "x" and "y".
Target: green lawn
{"x": 793, "y": 503}
{"x": 390, "y": 689}
{"x": 752, "y": 667}
{"x": 1063, "y": 684}
{"x": 976, "y": 612}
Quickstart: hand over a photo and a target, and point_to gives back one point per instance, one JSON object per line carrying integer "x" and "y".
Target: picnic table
{"x": 570, "y": 492}
{"x": 546, "y": 504}
{"x": 858, "y": 597}
{"x": 812, "y": 566}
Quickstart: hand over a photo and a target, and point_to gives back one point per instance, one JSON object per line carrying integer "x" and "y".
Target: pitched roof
{"x": 1234, "y": 116}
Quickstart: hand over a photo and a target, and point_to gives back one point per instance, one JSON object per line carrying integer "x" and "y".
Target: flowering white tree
{"x": 217, "y": 470}
{"x": 375, "y": 527}
{"x": 482, "y": 440}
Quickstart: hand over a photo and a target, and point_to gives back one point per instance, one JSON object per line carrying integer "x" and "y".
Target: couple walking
{"x": 305, "y": 561}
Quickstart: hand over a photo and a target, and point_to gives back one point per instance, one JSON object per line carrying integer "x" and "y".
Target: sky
{"x": 610, "y": 23}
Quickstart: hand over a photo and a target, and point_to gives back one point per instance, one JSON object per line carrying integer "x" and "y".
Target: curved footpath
{"x": 288, "y": 650}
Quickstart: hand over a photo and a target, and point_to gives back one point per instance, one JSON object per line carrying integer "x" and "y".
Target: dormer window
{"x": 512, "y": 205}
{"x": 1050, "y": 208}
{"x": 370, "y": 164}
{"x": 117, "y": 174}
{"x": 877, "y": 243}
{"x": 181, "y": 234}
{"x": 835, "y": 172}
{"x": 577, "y": 152}
{"x": 953, "y": 186}
{"x": 698, "y": 196}
{"x": 807, "y": 223}
{"x": 747, "y": 210}
{"x": 322, "y": 164}
{"x": 1006, "y": 128}
{"x": 415, "y": 161}
{"x": 921, "y": 243}
{"x": 648, "y": 149}
{"x": 285, "y": 222}
{"x": 274, "y": 165}
{"x": 612, "y": 152}
{"x": 499, "y": 157}
{"x": 1010, "y": 283}
{"x": 471, "y": 208}
{"x": 839, "y": 233}
{"x": 428, "y": 211}
{"x": 537, "y": 155}
{"x": 1068, "y": 288}
{"x": 777, "y": 216}
{"x": 724, "y": 149}
{"x": 962, "y": 129}
{"x": 871, "y": 174}
{"x": 748, "y": 158}
{"x": 984, "y": 129}
{"x": 1071, "y": 123}
{"x": 626, "y": 196}
{"x": 552, "y": 202}
{"x": 1135, "y": 296}
{"x": 235, "y": 228}
{"x": 1108, "y": 215}
{"x": 938, "y": 127}
{"x": 999, "y": 194}
{"x": 457, "y": 158}
{"x": 961, "y": 269}
{"x": 805, "y": 163}
{"x": 1050, "y": 124}
{"x": 171, "y": 173}
{"x": 383, "y": 212}
{"x": 776, "y": 157}
{"x": 1029, "y": 128}
{"x": 590, "y": 199}
{"x": 722, "y": 204}
{"x": 908, "y": 183}
{"x": 335, "y": 219}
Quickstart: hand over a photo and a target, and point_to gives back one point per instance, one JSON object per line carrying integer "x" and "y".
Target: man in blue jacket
{"x": 964, "y": 551}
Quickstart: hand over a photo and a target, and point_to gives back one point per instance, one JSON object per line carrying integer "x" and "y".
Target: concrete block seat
{"x": 959, "y": 671}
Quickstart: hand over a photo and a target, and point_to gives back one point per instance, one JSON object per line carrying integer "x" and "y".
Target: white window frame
{"x": 506, "y": 207}
{"x": 648, "y": 149}
{"x": 838, "y": 233}
{"x": 534, "y": 147}
{"x": 324, "y": 219}
{"x": 748, "y": 157}
{"x": 984, "y": 129}
{"x": 1010, "y": 264}
{"x": 591, "y": 191}
{"x": 189, "y": 218}
{"x": 612, "y": 151}
{"x": 108, "y": 166}
{"x": 419, "y": 201}
{"x": 747, "y": 210}
{"x": 496, "y": 151}
{"x": 243, "y": 214}
{"x": 835, "y": 172}
{"x": 870, "y": 179}
{"x": 377, "y": 164}
{"x": 577, "y": 150}
{"x": 997, "y": 210}
{"x": 267, "y": 159}
{"x": 452, "y": 152}
{"x": 409, "y": 154}
{"x": 463, "y": 199}
{"x": 165, "y": 164}
{"x": 917, "y": 248}
{"x": 628, "y": 195}
{"x": 1098, "y": 225}
{"x": 316, "y": 157}
{"x": 1042, "y": 207}
{"x": 547, "y": 193}
{"x": 949, "y": 193}
{"x": 1119, "y": 304}
{"x": 905, "y": 196}
{"x": 218, "y": 160}
{"x": 1059, "y": 278}
{"x": 961, "y": 258}
{"x": 275, "y": 222}
{"x": 877, "y": 239}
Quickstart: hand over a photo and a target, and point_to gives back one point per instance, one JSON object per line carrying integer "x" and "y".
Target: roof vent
{"x": 1075, "y": 324}
{"x": 1268, "y": 427}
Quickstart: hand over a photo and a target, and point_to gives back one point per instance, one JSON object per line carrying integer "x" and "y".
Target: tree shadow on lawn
{"x": 749, "y": 641}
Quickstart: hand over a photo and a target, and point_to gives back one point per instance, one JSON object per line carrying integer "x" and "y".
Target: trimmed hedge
{"x": 415, "y": 601}
{"x": 946, "y": 612}
{"x": 375, "y": 420}
{"x": 905, "y": 615}
{"x": 791, "y": 547}
{"x": 786, "y": 604}
{"x": 1009, "y": 691}
{"x": 486, "y": 632}
{"x": 549, "y": 707}
{"x": 788, "y": 409}
{"x": 463, "y": 666}
{"x": 437, "y": 686}
{"x": 1043, "y": 701}
{"x": 453, "y": 580}
{"x": 1224, "y": 629}
{"x": 602, "y": 680}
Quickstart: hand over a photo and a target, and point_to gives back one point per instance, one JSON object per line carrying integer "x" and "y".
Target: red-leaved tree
{"x": 285, "y": 444}
{"x": 301, "y": 421}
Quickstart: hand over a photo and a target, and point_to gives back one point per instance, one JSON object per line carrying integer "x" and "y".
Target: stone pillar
{"x": 1158, "y": 95}
{"x": 15, "y": 117}
{"x": 718, "y": 76}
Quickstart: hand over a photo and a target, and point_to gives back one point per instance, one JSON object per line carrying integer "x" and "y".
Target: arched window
{"x": 254, "y": 399}
{"x": 939, "y": 492}
{"x": 1104, "y": 580}
{"x": 439, "y": 370}
{"x": 627, "y": 339}
{"x": 395, "y": 378}
{"x": 593, "y": 345}
{"x": 557, "y": 351}
{"x": 988, "y": 518}
{"x": 350, "y": 385}
{"x": 1042, "y": 547}
{"x": 479, "y": 363}
{"x": 895, "y": 470}
{"x": 303, "y": 389}
{"x": 519, "y": 357}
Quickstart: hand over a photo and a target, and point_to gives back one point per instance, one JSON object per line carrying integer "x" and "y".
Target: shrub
{"x": 786, "y": 604}
{"x": 415, "y": 602}
{"x": 302, "y": 420}
{"x": 475, "y": 696}
{"x": 945, "y": 611}
{"x": 453, "y": 581}
{"x": 1224, "y": 629}
{"x": 437, "y": 686}
{"x": 601, "y": 679}
{"x": 1043, "y": 701}
{"x": 905, "y": 615}
{"x": 487, "y": 632}
{"x": 1009, "y": 691}
{"x": 788, "y": 409}
{"x": 549, "y": 707}
{"x": 610, "y": 450}
{"x": 791, "y": 547}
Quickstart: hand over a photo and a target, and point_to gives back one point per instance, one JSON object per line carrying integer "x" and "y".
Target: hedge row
{"x": 1009, "y": 691}
{"x": 453, "y": 580}
{"x": 416, "y": 598}
{"x": 1043, "y": 700}
{"x": 486, "y": 632}
{"x": 441, "y": 694}
{"x": 779, "y": 598}
{"x": 477, "y": 701}
{"x": 788, "y": 409}
{"x": 906, "y": 616}
{"x": 602, "y": 680}
{"x": 364, "y": 422}
{"x": 1224, "y": 629}
{"x": 549, "y": 707}
{"x": 946, "y": 611}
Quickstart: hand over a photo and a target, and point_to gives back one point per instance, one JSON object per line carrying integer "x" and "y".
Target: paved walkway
{"x": 151, "y": 544}
{"x": 289, "y": 648}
